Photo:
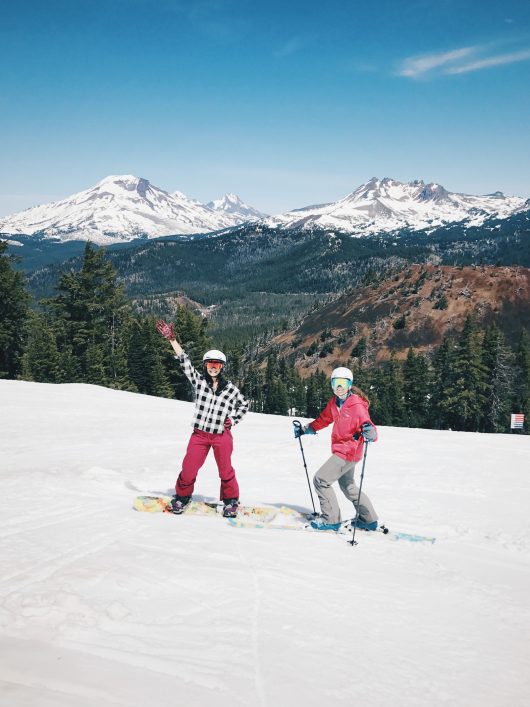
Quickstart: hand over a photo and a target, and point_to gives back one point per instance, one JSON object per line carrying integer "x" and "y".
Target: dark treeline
{"x": 472, "y": 382}
{"x": 88, "y": 333}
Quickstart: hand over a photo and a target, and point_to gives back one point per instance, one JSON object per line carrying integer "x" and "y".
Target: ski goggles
{"x": 216, "y": 365}
{"x": 343, "y": 382}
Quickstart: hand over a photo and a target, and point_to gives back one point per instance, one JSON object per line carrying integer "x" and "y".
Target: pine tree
{"x": 318, "y": 393}
{"x": 146, "y": 368}
{"x": 389, "y": 408}
{"x": 14, "y": 312}
{"x": 296, "y": 389}
{"x": 359, "y": 350}
{"x": 252, "y": 388}
{"x": 521, "y": 399}
{"x": 441, "y": 380}
{"x": 41, "y": 361}
{"x": 94, "y": 365}
{"x": 416, "y": 388}
{"x": 498, "y": 362}
{"x": 90, "y": 312}
{"x": 136, "y": 357}
{"x": 272, "y": 403}
{"x": 361, "y": 377}
{"x": 466, "y": 392}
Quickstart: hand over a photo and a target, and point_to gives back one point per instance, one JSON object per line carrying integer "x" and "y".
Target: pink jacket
{"x": 348, "y": 421}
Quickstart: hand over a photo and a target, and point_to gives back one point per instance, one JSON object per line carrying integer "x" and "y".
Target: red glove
{"x": 228, "y": 423}
{"x": 165, "y": 329}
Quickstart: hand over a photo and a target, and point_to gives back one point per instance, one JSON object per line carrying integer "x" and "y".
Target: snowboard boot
{"x": 230, "y": 507}
{"x": 178, "y": 504}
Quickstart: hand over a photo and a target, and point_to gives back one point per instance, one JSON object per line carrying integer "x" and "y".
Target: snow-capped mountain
{"x": 124, "y": 208}
{"x": 232, "y": 204}
{"x": 118, "y": 209}
{"x": 386, "y": 205}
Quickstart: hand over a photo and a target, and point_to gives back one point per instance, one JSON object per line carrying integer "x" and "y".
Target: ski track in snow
{"x": 254, "y": 624}
{"x": 103, "y": 605}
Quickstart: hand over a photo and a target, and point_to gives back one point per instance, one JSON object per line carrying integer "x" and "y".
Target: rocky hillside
{"x": 413, "y": 308}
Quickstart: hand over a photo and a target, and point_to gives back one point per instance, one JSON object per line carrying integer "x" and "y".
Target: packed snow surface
{"x": 101, "y": 605}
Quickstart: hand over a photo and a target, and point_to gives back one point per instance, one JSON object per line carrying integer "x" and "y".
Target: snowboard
{"x": 159, "y": 504}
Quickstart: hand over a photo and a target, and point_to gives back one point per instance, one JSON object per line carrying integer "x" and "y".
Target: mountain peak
{"x": 387, "y": 205}
{"x": 231, "y": 204}
{"x": 120, "y": 179}
{"x": 119, "y": 208}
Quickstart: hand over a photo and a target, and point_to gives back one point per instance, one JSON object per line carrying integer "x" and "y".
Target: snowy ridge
{"x": 386, "y": 205}
{"x": 120, "y": 208}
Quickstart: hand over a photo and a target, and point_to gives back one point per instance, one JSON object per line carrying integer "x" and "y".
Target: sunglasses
{"x": 344, "y": 382}
{"x": 216, "y": 365}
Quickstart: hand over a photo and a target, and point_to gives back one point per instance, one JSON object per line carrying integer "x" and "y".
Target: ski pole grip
{"x": 297, "y": 424}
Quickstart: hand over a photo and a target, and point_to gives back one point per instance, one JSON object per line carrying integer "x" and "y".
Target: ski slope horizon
{"x": 102, "y": 605}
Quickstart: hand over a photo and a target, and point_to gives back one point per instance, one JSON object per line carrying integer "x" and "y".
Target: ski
{"x": 411, "y": 537}
{"x": 300, "y": 522}
{"x": 396, "y": 534}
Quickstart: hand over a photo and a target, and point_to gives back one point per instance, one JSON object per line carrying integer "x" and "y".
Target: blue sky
{"x": 285, "y": 103}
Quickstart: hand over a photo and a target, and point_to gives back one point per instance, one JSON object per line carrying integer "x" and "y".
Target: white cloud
{"x": 490, "y": 61}
{"x": 457, "y": 61}
{"x": 420, "y": 65}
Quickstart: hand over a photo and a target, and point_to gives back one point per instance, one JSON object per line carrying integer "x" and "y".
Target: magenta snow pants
{"x": 198, "y": 447}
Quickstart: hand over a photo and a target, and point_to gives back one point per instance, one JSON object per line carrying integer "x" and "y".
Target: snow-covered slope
{"x": 232, "y": 204}
{"x": 385, "y": 205}
{"x": 100, "y": 605}
{"x": 119, "y": 208}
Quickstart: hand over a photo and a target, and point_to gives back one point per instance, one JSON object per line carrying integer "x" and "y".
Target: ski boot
{"x": 363, "y": 525}
{"x": 178, "y": 504}
{"x": 322, "y": 524}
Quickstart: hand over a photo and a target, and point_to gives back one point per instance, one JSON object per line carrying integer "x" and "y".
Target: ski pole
{"x": 352, "y": 541}
{"x": 298, "y": 425}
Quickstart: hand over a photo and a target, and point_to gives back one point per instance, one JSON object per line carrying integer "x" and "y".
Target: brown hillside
{"x": 414, "y": 308}
{"x": 168, "y": 302}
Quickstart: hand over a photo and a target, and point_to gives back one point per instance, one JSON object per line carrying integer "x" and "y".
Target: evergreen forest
{"x": 88, "y": 332}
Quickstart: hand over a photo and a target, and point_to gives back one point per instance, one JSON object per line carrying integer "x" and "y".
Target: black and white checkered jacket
{"x": 212, "y": 408}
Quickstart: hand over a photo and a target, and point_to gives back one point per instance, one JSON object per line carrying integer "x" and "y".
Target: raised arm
{"x": 189, "y": 370}
{"x": 168, "y": 333}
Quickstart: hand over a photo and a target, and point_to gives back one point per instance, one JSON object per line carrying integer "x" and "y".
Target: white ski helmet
{"x": 342, "y": 372}
{"x": 214, "y": 355}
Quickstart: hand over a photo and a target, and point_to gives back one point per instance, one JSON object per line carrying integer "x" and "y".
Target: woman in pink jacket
{"x": 352, "y": 427}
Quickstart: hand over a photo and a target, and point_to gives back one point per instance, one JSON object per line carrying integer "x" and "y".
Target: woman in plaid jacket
{"x": 219, "y": 405}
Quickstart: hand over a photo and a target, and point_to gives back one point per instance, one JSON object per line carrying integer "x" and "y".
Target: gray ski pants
{"x": 337, "y": 469}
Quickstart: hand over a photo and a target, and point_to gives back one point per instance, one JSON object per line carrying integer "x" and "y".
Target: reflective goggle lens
{"x": 344, "y": 382}
{"x": 214, "y": 364}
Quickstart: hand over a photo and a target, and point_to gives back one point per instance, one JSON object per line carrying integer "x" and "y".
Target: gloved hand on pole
{"x": 368, "y": 432}
{"x": 300, "y": 429}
